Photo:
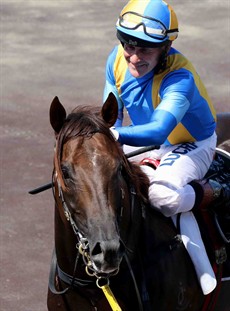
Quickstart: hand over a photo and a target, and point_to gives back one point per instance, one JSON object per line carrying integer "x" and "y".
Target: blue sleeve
{"x": 110, "y": 86}
{"x": 152, "y": 133}
{"x": 176, "y": 93}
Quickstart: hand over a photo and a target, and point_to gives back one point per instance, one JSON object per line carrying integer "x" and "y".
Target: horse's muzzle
{"x": 106, "y": 256}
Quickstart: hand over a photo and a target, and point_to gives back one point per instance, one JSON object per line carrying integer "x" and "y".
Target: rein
{"x": 82, "y": 247}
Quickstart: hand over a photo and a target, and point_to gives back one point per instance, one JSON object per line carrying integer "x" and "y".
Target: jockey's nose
{"x": 134, "y": 58}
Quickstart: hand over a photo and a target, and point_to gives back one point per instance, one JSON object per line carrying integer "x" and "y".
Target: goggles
{"x": 151, "y": 26}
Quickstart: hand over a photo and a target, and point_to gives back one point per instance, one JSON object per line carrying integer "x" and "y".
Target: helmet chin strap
{"x": 161, "y": 65}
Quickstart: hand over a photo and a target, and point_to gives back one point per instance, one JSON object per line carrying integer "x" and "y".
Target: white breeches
{"x": 180, "y": 164}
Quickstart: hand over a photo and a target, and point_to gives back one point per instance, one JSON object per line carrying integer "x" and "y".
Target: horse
{"x": 112, "y": 250}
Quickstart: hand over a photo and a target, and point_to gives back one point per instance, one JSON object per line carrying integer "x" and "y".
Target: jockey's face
{"x": 141, "y": 60}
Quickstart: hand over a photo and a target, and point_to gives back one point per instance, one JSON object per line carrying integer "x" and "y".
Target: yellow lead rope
{"x": 110, "y": 297}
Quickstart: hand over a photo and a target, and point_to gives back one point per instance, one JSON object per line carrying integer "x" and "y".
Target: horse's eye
{"x": 65, "y": 172}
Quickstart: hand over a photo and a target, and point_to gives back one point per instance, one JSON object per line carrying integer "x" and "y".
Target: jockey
{"x": 168, "y": 106}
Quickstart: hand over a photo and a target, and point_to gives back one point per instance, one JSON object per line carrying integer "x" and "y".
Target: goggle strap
{"x": 172, "y": 32}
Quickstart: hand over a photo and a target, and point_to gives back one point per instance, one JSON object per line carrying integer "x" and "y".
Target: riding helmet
{"x": 149, "y": 23}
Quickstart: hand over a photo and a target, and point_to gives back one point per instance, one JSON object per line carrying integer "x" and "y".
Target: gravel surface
{"x": 59, "y": 47}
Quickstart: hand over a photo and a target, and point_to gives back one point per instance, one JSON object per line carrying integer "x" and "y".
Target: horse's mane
{"x": 84, "y": 122}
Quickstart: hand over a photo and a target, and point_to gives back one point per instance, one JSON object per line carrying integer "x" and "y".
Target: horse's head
{"x": 91, "y": 174}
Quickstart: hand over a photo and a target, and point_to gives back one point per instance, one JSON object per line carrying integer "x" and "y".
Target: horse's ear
{"x": 109, "y": 110}
{"x": 57, "y": 115}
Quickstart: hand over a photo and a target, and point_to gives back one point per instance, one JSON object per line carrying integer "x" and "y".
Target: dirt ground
{"x": 59, "y": 47}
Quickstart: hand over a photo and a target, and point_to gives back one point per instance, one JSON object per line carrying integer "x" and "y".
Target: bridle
{"x": 82, "y": 246}
{"x": 82, "y": 241}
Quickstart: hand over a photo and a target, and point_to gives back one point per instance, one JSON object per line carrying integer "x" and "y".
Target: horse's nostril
{"x": 107, "y": 255}
{"x": 109, "y": 250}
{"x": 97, "y": 249}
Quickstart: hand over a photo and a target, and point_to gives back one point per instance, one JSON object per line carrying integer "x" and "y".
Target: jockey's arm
{"x": 162, "y": 123}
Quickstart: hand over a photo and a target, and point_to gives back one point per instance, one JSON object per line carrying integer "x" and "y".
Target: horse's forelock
{"x": 81, "y": 122}
{"x": 85, "y": 121}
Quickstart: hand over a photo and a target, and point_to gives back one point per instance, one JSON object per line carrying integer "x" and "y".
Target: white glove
{"x": 114, "y": 133}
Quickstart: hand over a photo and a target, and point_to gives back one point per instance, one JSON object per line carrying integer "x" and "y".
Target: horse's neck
{"x": 158, "y": 228}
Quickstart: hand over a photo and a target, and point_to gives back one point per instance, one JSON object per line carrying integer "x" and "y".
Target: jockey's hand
{"x": 114, "y": 133}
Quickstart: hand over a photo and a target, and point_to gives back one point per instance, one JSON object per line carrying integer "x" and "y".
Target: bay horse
{"x": 112, "y": 251}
